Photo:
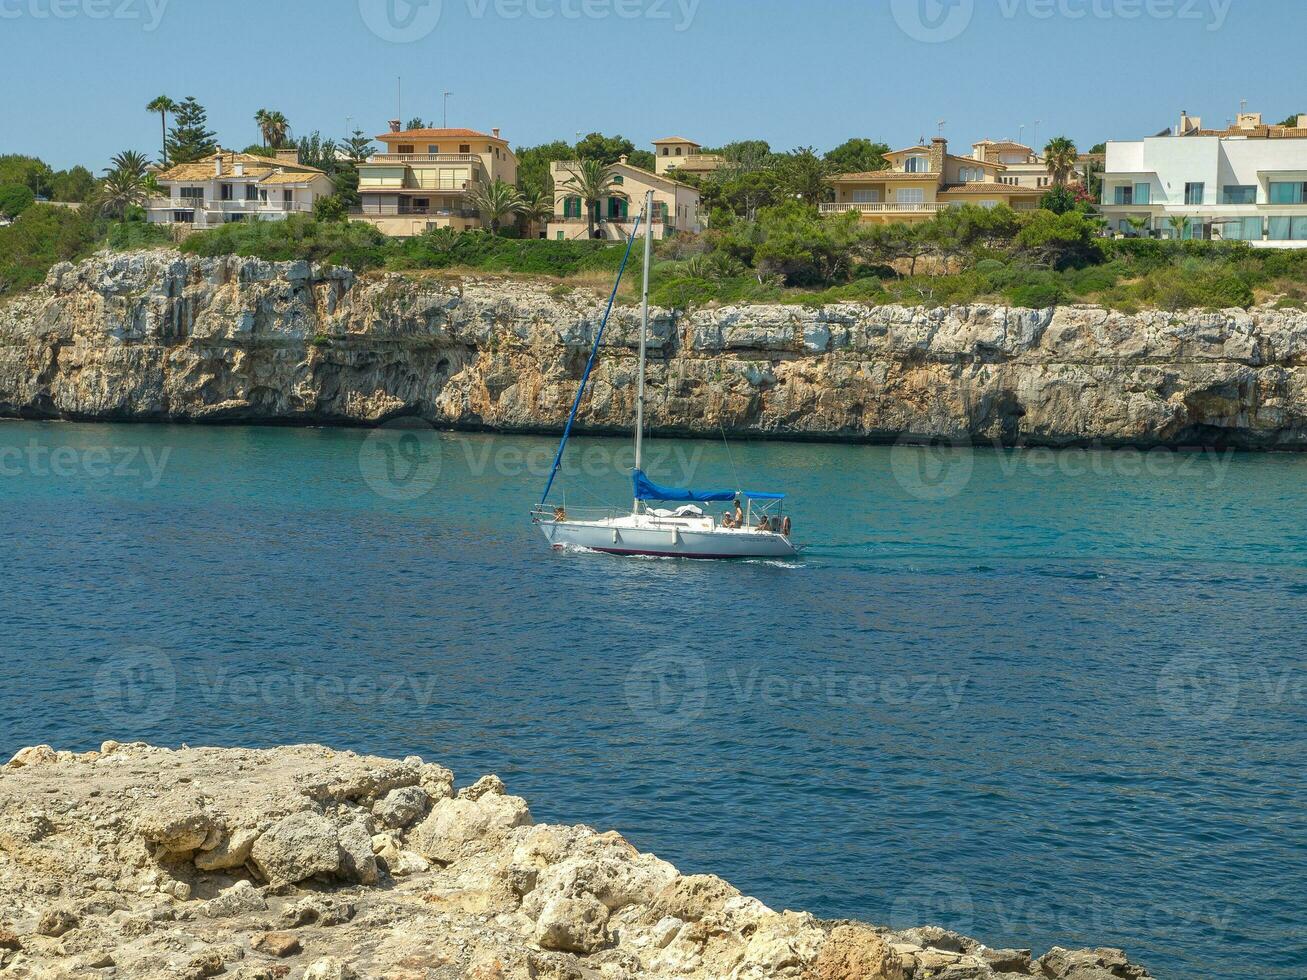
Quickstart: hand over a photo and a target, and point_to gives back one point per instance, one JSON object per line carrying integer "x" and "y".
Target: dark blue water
{"x": 1042, "y": 699}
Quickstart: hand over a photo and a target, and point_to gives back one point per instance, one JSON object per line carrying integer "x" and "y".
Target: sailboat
{"x": 754, "y": 527}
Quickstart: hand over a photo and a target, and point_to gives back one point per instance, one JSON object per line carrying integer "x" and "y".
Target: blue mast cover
{"x": 646, "y": 489}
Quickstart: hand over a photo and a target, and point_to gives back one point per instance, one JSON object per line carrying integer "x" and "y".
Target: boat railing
{"x": 563, "y": 513}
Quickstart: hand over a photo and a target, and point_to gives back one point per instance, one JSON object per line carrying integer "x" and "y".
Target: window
{"x": 572, "y": 207}
{"x": 432, "y": 149}
{"x": 910, "y": 195}
{"x": 560, "y": 235}
{"x": 678, "y": 151}
{"x": 866, "y": 197}
{"x": 1124, "y": 195}
{"x": 405, "y": 148}
{"x": 916, "y": 165}
{"x": 617, "y": 208}
{"x": 970, "y": 175}
{"x": 1144, "y": 193}
{"x": 666, "y": 150}
{"x": 183, "y": 217}
{"x": 251, "y": 192}
{"x": 1287, "y": 229}
{"x": 465, "y": 148}
{"x": 1243, "y": 229}
{"x": 1285, "y": 193}
{"x": 226, "y": 192}
{"x": 1239, "y": 194}
{"x": 619, "y": 179}
{"x": 660, "y": 211}
{"x": 191, "y": 193}
{"x": 1193, "y": 193}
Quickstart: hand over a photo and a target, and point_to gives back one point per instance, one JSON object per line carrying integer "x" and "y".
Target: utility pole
{"x": 399, "y": 98}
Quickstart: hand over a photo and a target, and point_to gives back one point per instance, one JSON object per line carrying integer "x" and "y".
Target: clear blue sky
{"x": 789, "y": 71}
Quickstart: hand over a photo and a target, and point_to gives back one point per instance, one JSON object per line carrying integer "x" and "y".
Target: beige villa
{"x": 923, "y": 180}
{"x": 676, "y": 205}
{"x": 686, "y": 156}
{"x": 423, "y": 178}
{"x": 228, "y": 186}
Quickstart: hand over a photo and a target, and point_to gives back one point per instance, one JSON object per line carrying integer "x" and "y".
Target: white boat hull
{"x": 638, "y": 535}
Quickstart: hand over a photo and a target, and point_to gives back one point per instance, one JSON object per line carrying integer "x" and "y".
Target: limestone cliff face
{"x": 157, "y": 335}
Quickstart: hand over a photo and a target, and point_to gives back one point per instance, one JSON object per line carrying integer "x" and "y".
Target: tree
{"x": 162, "y": 105}
{"x": 357, "y": 146}
{"x": 496, "y": 201}
{"x": 608, "y": 149}
{"x": 533, "y": 170}
{"x": 1059, "y": 240}
{"x": 330, "y": 208}
{"x": 190, "y": 138}
{"x": 77, "y": 184}
{"x": 537, "y": 206}
{"x": 1292, "y": 121}
{"x": 15, "y": 199}
{"x": 804, "y": 175}
{"x": 1060, "y": 157}
{"x": 591, "y": 181}
{"x": 747, "y": 154}
{"x": 125, "y": 184}
{"x": 272, "y": 127}
{"x": 417, "y": 123}
{"x": 33, "y": 173}
{"x": 1179, "y": 224}
{"x": 857, "y": 156}
{"x": 741, "y": 192}
{"x": 1059, "y": 200}
{"x": 1138, "y": 225}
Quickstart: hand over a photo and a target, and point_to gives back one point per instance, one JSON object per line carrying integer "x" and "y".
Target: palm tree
{"x": 125, "y": 185}
{"x": 1061, "y": 156}
{"x": 272, "y": 127}
{"x": 591, "y": 181}
{"x": 496, "y": 201}
{"x": 1138, "y": 225}
{"x": 163, "y": 105}
{"x": 1179, "y": 224}
{"x": 537, "y": 206}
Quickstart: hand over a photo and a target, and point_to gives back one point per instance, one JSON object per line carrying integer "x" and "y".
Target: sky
{"x": 75, "y": 75}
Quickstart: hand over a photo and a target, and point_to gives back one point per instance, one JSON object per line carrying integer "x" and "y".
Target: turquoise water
{"x": 1043, "y": 699}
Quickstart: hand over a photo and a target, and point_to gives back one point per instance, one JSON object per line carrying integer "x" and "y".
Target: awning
{"x": 646, "y": 489}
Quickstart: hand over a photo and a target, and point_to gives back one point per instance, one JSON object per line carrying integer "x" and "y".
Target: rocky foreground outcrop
{"x": 302, "y": 862}
{"x": 158, "y": 336}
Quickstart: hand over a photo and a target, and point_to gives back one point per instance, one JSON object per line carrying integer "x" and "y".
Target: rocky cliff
{"x": 155, "y": 335}
{"x": 300, "y": 862}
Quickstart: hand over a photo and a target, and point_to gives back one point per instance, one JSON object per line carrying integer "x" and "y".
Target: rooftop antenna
{"x": 1021, "y": 134}
{"x": 445, "y": 124}
{"x": 942, "y": 124}
{"x": 399, "y": 97}
{"x": 1243, "y": 106}
{"x": 1037, "y": 122}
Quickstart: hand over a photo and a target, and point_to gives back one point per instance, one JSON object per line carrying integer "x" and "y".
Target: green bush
{"x": 15, "y": 199}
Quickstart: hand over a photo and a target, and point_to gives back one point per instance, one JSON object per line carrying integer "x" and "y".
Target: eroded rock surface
{"x": 104, "y": 872}
{"x": 156, "y": 335}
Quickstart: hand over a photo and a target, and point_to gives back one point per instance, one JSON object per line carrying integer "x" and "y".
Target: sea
{"x": 1039, "y": 697}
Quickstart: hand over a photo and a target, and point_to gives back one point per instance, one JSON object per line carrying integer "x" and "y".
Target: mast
{"x": 644, "y": 332}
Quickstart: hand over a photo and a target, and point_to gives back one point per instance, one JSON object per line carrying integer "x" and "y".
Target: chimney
{"x": 394, "y": 125}
{"x": 495, "y": 132}
{"x": 938, "y": 151}
{"x": 290, "y": 155}
{"x": 240, "y": 168}
{"x": 217, "y": 163}
{"x": 622, "y": 158}
{"x": 1250, "y": 120}
{"x": 1188, "y": 124}
{"x": 1302, "y": 122}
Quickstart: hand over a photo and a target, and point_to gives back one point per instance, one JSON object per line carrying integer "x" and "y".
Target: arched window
{"x": 619, "y": 179}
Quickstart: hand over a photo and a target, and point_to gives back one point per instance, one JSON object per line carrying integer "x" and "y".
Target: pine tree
{"x": 190, "y": 138}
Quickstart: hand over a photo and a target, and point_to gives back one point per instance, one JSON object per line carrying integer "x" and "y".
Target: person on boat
{"x": 728, "y": 520}
{"x": 764, "y": 523}
{"x": 739, "y": 514}
{"x": 560, "y": 515}
{"x": 786, "y": 527}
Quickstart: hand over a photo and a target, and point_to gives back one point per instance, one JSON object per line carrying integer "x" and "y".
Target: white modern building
{"x": 1245, "y": 183}
{"x": 229, "y": 186}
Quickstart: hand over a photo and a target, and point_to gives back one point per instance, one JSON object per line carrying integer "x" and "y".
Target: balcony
{"x": 559, "y": 219}
{"x": 226, "y": 207}
{"x": 404, "y": 210}
{"x": 393, "y": 158}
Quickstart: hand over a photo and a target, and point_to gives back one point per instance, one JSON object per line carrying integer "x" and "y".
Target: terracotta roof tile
{"x": 437, "y": 134}
{"x": 989, "y": 187}
{"x": 255, "y": 166}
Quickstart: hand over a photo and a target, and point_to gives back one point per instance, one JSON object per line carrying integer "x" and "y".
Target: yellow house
{"x": 922, "y": 181}
{"x": 424, "y": 177}
{"x": 678, "y": 153}
{"x": 676, "y": 205}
